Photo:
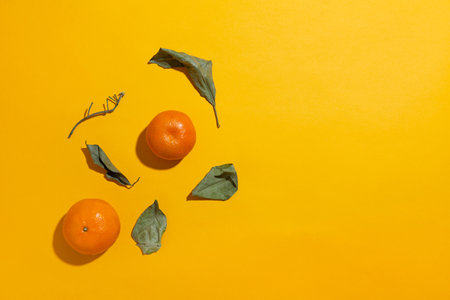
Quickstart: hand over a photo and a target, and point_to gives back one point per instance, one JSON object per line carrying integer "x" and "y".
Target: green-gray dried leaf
{"x": 220, "y": 183}
{"x": 149, "y": 228}
{"x": 199, "y": 70}
{"x": 100, "y": 158}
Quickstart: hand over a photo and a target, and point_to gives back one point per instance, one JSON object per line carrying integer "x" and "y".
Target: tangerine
{"x": 171, "y": 135}
{"x": 91, "y": 226}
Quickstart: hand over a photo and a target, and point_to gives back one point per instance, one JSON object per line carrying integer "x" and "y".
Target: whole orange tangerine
{"x": 91, "y": 226}
{"x": 171, "y": 135}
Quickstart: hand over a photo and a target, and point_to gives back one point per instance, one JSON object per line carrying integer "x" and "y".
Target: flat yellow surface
{"x": 335, "y": 113}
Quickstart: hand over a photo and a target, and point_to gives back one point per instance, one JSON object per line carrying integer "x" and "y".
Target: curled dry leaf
{"x": 199, "y": 70}
{"x": 220, "y": 183}
{"x": 100, "y": 158}
{"x": 149, "y": 228}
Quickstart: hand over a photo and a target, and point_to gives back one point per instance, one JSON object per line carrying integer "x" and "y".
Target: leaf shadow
{"x": 148, "y": 158}
{"x": 65, "y": 252}
{"x": 191, "y": 197}
{"x": 98, "y": 169}
{"x": 90, "y": 163}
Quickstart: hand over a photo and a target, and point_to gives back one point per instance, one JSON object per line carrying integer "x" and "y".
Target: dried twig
{"x": 114, "y": 99}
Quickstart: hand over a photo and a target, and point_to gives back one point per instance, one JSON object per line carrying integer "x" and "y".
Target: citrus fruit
{"x": 171, "y": 135}
{"x": 91, "y": 226}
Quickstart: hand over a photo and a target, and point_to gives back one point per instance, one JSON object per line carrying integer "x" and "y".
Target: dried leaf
{"x": 220, "y": 183}
{"x": 149, "y": 228}
{"x": 199, "y": 70}
{"x": 100, "y": 158}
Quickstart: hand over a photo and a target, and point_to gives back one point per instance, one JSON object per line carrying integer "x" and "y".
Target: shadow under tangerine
{"x": 65, "y": 252}
{"x": 148, "y": 158}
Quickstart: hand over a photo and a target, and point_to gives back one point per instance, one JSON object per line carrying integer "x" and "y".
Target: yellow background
{"x": 335, "y": 114}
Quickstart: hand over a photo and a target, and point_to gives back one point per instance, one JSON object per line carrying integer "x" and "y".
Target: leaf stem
{"x": 134, "y": 182}
{"x": 215, "y": 114}
{"x": 104, "y": 112}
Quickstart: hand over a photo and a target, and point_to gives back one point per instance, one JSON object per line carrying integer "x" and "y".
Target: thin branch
{"x": 89, "y": 110}
{"x": 104, "y": 112}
